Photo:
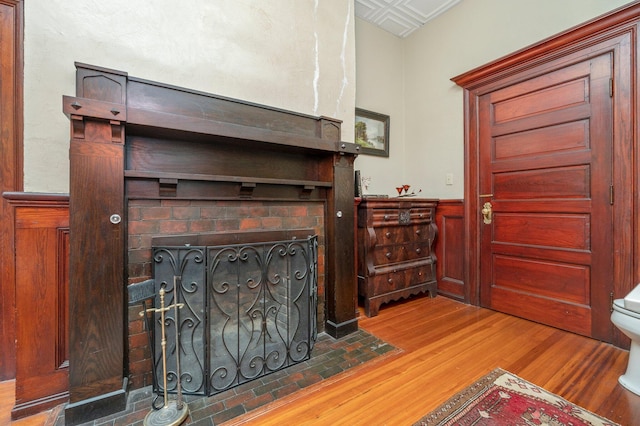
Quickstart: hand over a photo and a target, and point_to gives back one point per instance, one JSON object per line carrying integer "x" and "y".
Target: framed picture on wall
{"x": 372, "y": 132}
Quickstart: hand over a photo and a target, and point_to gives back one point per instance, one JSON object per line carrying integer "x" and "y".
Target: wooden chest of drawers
{"x": 395, "y": 250}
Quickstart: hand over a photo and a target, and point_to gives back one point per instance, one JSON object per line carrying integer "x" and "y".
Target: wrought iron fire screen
{"x": 249, "y": 310}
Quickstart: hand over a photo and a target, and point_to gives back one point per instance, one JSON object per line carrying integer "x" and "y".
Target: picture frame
{"x": 372, "y": 132}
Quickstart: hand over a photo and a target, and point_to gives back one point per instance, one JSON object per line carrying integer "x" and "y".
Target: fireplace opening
{"x": 248, "y": 306}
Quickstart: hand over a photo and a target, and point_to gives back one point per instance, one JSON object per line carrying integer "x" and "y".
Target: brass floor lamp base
{"x": 169, "y": 415}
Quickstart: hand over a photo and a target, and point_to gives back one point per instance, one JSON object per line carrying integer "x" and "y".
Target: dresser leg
{"x": 371, "y": 307}
{"x": 433, "y": 290}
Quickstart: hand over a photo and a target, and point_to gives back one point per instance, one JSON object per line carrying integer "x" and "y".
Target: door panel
{"x": 569, "y": 282}
{"x": 536, "y": 100}
{"x": 558, "y": 182}
{"x": 561, "y": 137}
{"x": 545, "y": 167}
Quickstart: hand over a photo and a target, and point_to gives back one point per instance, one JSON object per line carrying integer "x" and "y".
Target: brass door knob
{"x": 487, "y": 212}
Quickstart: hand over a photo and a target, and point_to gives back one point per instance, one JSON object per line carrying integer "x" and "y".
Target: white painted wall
{"x": 380, "y": 88}
{"x": 297, "y": 55}
{"x": 470, "y": 34}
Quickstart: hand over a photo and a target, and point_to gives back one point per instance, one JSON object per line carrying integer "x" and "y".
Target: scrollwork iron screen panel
{"x": 260, "y": 313}
{"x": 182, "y": 268}
{"x": 262, "y": 309}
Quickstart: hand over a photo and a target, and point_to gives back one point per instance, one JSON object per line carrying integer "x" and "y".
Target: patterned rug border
{"x": 454, "y": 405}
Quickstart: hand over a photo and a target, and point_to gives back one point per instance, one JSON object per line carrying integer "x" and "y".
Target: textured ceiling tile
{"x": 401, "y": 17}
{"x": 366, "y": 9}
{"x": 428, "y": 9}
{"x": 395, "y": 25}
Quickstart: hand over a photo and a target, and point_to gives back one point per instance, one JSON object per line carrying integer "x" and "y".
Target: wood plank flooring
{"x": 7, "y": 399}
{"x": 445, "y": 346}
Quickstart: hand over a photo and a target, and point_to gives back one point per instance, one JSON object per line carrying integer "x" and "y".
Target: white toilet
{"x": 626, "y": 316}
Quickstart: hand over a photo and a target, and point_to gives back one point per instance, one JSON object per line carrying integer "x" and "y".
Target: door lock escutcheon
{"x": 487, "y": 212}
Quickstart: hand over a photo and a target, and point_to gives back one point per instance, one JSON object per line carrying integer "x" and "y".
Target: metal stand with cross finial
{"x": 172, "y": 413}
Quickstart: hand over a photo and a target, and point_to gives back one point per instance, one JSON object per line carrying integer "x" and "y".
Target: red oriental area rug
{"x": 503, "y": 399}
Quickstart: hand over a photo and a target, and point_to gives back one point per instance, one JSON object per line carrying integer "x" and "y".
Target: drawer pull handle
{"x": 418, "y": 250}
{"x": 418, "y": 231}
{"x": 388, "y": 235}
{"x": 390, "y": 280}
{"x": 388, "y": 255}
{"x": 386, "y": 217}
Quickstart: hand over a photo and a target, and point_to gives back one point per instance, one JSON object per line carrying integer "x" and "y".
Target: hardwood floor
{"x": 445, "y": 346}
{"x": 7, "y": 399}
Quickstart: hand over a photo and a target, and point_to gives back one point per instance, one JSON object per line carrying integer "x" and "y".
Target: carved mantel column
{"x": 341, "y": 296}
{"x": 96, "y": 278}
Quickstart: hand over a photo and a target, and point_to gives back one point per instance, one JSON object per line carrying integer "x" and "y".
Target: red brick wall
{"x": 151, "y": 218}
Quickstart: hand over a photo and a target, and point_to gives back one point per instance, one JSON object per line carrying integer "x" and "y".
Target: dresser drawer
{"x": 383, "y": 255}
{"x": 401, "y": 279}
{"x": 390, "y": 235}
{"x": 421, "y": 274}
{"x": 421, "y": 232}
{"x": 385, "y": 283}
{"x": 402, "y": 216}
{"x": 387, "y": 235}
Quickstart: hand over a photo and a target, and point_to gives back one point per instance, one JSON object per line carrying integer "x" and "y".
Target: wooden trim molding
{"x": 13, "y": 177}
{"x": 11, "y": 146}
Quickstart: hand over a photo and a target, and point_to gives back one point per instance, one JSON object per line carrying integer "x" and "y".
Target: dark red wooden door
{"x": 546, "y": 169}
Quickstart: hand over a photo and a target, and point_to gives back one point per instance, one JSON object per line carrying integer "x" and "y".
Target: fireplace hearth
{"x": 248, "y": 307}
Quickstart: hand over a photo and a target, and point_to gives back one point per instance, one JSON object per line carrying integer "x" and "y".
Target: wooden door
{"x": 545, "y": 167}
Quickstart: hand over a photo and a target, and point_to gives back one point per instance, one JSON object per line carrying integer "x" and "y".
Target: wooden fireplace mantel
{"x": 138, "y": 139}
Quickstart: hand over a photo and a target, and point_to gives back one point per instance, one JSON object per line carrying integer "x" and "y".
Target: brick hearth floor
{"x": 329, "y": 358}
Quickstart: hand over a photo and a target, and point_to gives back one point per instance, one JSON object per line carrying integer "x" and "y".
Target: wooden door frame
{"x": 11, "y": 177}
{"x": 618, "y": 29}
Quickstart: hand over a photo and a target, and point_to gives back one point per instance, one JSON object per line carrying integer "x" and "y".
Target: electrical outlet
{"x": 449, "y": 179}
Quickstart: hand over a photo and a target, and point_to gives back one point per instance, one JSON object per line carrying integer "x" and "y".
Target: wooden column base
{"x": 340, "y": 330}
{"x": 99, "y": 406}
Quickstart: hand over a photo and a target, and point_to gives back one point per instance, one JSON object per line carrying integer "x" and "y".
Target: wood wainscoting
{"x": 449, "y": 249}
{"x": 40, "y": 268}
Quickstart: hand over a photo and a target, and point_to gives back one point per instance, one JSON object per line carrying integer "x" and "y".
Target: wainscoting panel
{"x": 41, "y": 267}
{"x": 450, "y": 249}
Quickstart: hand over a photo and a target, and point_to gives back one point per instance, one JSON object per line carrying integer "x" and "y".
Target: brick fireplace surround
{"x": 150, "y": 218}
{"x": 148, "y": 160}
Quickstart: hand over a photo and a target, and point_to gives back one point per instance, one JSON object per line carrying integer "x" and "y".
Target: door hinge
{"x": 611, "y": 301}
{"x": 611, "y": 194}
{"x": 611, "y": 88}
